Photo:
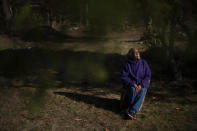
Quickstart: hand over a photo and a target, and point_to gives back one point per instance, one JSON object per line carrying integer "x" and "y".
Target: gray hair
{"x": 130, "y": 53}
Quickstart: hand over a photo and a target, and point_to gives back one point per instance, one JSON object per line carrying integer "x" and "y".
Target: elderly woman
{"x": 135, "y": 77}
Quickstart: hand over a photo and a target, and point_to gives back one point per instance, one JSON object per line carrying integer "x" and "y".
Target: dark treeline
{"x": 167, "y": 23}
{"x": 18, "y": 15}
{"x": 21, "y": 15}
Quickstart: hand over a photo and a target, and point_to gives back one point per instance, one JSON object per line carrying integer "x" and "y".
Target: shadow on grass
{"x": 48, "y": 34}
{"x": 104, "y": 103}
{"x": 68, "y": 67}
{"x": 45, "y": 33}
{"x": 181, "y": 92}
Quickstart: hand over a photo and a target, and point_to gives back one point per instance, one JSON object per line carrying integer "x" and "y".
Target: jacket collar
{"x": 133, "y": 62}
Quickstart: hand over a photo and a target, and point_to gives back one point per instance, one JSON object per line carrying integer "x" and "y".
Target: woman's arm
{"x": 126, "y": 80}
{"x": 146, "y": 80}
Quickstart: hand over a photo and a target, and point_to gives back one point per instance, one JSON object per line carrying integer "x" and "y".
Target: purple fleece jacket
{"x": 136, "y": 72}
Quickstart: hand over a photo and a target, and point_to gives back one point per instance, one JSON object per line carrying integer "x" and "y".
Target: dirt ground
{"x": 90, "y": 108}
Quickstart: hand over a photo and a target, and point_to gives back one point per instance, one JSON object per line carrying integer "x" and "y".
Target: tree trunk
{"x": 169, "y": 51}
{"x": 87, "y": 11}
{"x": 6, "y": 10}
{"x": 175, "y": 63}
{"x": 149, "y": 25}
{"x": 7, "y": 13}
{"x": 50, "y": 18}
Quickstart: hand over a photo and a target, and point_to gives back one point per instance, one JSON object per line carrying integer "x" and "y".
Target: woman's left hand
{"x": 138, "y": 89}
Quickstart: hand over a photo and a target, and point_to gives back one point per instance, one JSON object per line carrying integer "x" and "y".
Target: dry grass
{"x": 73, "y": 108}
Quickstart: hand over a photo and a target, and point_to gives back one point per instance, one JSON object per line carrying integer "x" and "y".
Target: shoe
{"x": 132, "y": 117}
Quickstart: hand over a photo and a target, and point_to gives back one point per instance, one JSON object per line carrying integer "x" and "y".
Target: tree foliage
{"x": 101, "y": 14}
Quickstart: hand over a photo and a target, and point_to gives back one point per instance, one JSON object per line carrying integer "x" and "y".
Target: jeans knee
{"x": 132, "y": 89}
{"x": 143, "y": 89}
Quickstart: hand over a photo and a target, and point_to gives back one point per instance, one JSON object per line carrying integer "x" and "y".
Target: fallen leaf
{"x": 106, "y": 129}
{"x": 177, "y": 108}
{"x": 77, "y": 119}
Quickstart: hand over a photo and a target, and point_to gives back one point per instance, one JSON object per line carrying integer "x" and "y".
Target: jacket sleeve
{"x": 147, "y": 77}
{"x": 126, "y": 80}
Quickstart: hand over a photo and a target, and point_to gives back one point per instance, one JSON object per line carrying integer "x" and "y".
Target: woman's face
{"x": 136, "y": 55}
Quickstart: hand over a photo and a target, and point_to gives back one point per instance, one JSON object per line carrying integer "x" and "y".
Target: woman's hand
{"x": 138, "y": 88}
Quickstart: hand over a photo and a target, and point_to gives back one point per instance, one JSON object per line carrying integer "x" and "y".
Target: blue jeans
{"x": 135, "y": 101}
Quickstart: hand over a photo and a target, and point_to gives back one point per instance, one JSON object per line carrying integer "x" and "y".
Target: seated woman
{"x": 135, "y": 77}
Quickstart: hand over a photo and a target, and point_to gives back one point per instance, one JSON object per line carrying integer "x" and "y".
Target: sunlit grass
{"x": 75, "y": 108}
